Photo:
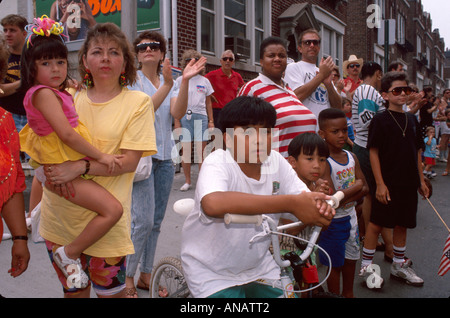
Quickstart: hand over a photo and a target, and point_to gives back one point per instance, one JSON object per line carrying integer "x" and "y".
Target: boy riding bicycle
{"x": 247, "y": 178}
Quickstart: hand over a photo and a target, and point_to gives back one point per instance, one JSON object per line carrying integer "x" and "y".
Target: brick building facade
{"x": 205, "y": 25}
{"x": 342, "y": 23}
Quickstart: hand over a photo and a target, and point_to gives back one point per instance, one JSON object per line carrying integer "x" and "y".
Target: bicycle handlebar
{"x": 272, "y": 227}
{"x": 257, "y": 219}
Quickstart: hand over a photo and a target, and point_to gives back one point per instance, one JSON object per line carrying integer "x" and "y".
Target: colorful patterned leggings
{"x": 107, "y": 275}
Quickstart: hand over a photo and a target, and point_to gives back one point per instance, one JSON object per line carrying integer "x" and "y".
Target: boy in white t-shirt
{"x": 247, "y": 178}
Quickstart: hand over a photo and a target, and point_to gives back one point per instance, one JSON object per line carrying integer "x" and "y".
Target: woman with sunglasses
{"x": 150, "y": 196}
{"x": 225, "y": 82}
{"x": 198, "y": 118}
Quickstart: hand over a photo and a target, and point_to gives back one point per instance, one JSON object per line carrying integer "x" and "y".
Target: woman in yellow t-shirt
{"x": 120, "y": 122}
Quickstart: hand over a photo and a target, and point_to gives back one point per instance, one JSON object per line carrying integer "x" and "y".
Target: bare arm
{"x": 325, "y": 69}
{"x": 162, "y": 92}
{"x": 7, "y": 89}
{"x": 209, "y": 112}
{"x": 423, "y": 190}
{"x": 309, "y": 207}
{"x": 64, "y": 173}
{"x": 178, "y": 106}
{"x": 353, "y": 193}
{"x": 333, "y": 96}
{"x": 382, "y": 193}
{"x": 13, "y": 212}
{"x": 46, "y": 102}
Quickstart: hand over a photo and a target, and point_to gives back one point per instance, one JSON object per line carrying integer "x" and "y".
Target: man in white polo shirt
{"x": 313, "y": 85}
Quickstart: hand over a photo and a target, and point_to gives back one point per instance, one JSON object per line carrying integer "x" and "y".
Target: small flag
{"x": 444, "y": 267}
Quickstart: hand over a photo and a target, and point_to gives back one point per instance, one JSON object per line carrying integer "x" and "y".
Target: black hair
{"x": 247, "y": 110}
{"x": 270, "y": 41}
{"x": 306, "y": 144}
{"x": 40, "y": 47}
{"x": 152, "y": 35}
{"x": 389, "y": 78}
{"x": 369, "y": 68}
{"x": 328, "y": 114}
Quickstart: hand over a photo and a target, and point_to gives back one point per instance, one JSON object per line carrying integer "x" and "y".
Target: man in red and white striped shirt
{"x": 293, "y": 118}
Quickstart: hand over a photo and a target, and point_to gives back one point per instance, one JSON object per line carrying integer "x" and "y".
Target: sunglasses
{"x": 154, "y": 46}
{"x": 191, "y": 58}
{"x": 353, "y": 65}
{"x": 309, "y": 42}
{"x": 398, "y": 90}
{"x": 227, "y": 59}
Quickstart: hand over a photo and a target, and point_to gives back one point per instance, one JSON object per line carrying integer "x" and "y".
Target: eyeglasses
{"x": 398, "y": 90}
{"x": 154, "y": 46}
{"x": 309, "y": 42}
{"x": 191, "y": 58}
{"x": 227, "y": 59}
{"x": 353, "y": 65}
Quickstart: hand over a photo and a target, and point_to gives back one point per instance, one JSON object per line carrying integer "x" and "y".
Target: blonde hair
{"x": 190, "y": 54}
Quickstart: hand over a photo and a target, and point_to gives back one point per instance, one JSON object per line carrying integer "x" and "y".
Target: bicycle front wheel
{"x": 168, "y": 280}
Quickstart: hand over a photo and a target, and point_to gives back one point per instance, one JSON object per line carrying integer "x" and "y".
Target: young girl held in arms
{"x": 54, "y": 135}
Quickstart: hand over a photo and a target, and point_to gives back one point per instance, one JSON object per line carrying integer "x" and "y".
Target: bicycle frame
{"x": 270, "y": 227}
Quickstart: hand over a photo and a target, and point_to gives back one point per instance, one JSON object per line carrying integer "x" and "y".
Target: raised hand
{"x": 194, "y": 67}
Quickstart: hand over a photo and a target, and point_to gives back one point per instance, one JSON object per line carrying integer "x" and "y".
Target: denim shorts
{"x": 195, "y": 128}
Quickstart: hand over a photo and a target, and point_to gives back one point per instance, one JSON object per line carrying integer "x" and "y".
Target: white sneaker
{"x": 433, "y": 174}
{"x": 6, "y": 236}
{"x": 372, "y": 278}
{"x": 185, "y": 187}
{"x": 404, "y": 272}
{"x": 77, "y": 277}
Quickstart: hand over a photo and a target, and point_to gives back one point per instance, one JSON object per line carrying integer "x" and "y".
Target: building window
{"x": 332, "y": 30}
{"x": 259, "y": 27}
{"x": 208, "y": 30}
{"x": 249, "y": 19}
{"x": 235, "y": 18}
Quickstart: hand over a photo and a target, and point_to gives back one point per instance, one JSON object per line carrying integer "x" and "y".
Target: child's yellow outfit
{"x": 39, "y": 140}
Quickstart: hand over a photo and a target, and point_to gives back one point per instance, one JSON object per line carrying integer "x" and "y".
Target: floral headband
{"x": 43, "y": 26}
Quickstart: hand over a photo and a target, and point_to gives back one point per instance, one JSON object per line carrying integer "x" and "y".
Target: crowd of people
{"x": 111, "y": 135}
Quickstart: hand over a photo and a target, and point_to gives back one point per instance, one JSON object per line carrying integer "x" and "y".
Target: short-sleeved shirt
{"x": 199, "y": 89}
{"x": 216, "y": 256}
{"x": 14, "y": 102}
{"x": 299, "y": 74}
{"x": 398, "y": 155}
{"x": 293, "y": 118}
{"x": 225, "y": 88}
{"x": 430, "y": 150}
{"x": 367, "y": 101}
{"x": 124, "y": 122}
